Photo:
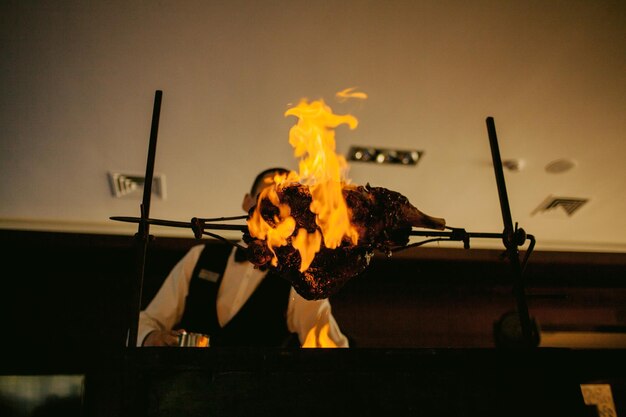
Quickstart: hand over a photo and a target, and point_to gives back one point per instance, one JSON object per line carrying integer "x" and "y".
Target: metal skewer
{"x": 179, "y": 224}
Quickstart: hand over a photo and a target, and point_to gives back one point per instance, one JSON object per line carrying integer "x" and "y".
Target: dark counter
{"x": 353, "y": 382}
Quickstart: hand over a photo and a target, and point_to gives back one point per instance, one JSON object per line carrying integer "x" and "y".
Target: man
{"x": 235, "y": 303}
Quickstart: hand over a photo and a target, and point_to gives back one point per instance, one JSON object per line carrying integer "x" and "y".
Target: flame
{"x": 308, "y": 244}
{"x": 349, "y": 93}
{"x": 284, "y": 224}
{"x": 324, "y": 172}
{"x": 313, "y": 140}
{"x": 319, "y": 338}
{"x": 203, "y": 341}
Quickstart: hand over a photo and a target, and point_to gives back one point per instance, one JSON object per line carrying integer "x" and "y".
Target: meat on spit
{"x": 382, "y": 217}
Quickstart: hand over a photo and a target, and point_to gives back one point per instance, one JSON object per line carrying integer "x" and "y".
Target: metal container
{"x": 193, "y": 340}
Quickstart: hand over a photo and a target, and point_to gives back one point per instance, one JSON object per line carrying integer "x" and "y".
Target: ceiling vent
{"x": 560, "y": 205}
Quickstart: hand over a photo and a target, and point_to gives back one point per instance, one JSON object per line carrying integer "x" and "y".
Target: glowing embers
{"x": 384, "y": 156}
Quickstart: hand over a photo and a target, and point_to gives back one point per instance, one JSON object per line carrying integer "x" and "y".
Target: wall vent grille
{"x": 130, "y": 185}
{"x": 569, "y": 205}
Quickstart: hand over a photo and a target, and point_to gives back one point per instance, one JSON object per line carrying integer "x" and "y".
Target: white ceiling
{"x": 78, "y": 81}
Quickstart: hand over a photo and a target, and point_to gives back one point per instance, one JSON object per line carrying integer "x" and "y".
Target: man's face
{"x": 268, "y": 179}
{"x": 250, "y": 199}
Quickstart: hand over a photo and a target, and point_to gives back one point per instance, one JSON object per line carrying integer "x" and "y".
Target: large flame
{"x": 324, "y": 172}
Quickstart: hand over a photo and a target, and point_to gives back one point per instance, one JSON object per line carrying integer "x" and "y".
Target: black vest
{"x": 261, "y": 321}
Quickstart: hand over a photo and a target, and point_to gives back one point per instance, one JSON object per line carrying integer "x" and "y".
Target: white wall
{"x": 78, "y": 80}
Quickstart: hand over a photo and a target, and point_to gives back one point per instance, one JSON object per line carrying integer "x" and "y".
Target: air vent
{"x": 130, "y": 184}
{"x": 567, "y": 205}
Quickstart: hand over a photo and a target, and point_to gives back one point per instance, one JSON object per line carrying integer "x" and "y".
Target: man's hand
{"x": 162, "y": 338}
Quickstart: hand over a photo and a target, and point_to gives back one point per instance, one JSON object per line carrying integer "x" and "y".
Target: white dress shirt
{"x": 312, "y": 320}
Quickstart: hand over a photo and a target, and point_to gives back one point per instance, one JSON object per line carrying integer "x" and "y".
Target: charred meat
{"x": 382, "y": 217}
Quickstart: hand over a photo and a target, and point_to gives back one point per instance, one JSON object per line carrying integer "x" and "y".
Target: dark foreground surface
{"x": 332, "y": 382}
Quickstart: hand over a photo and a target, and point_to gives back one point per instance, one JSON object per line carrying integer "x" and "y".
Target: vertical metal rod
{"x": 497, "y": 166}
{"x": 143, "y": 233}
{"x": 509, "y": 235}
{"x": 154, "y": 130}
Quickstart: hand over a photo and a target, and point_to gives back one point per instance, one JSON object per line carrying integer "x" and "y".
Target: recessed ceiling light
{"x": 514, "y": 165}
{"x": 384, "y": 156}
{"x": 560, "y": 165}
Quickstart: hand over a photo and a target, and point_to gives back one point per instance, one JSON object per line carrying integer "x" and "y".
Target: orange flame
{"x": 349, "y": 93}
{"x": 284, "y": 224}
{"x": 313, "y": 140}
{"x": 324, "y": 172}
{"x": 319, "y": 338}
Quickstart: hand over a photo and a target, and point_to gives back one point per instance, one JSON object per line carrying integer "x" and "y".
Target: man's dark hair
{"x": 258, "y": 181}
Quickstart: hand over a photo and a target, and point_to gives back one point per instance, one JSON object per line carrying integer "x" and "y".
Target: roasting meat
{"x": 383, "y": 219}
